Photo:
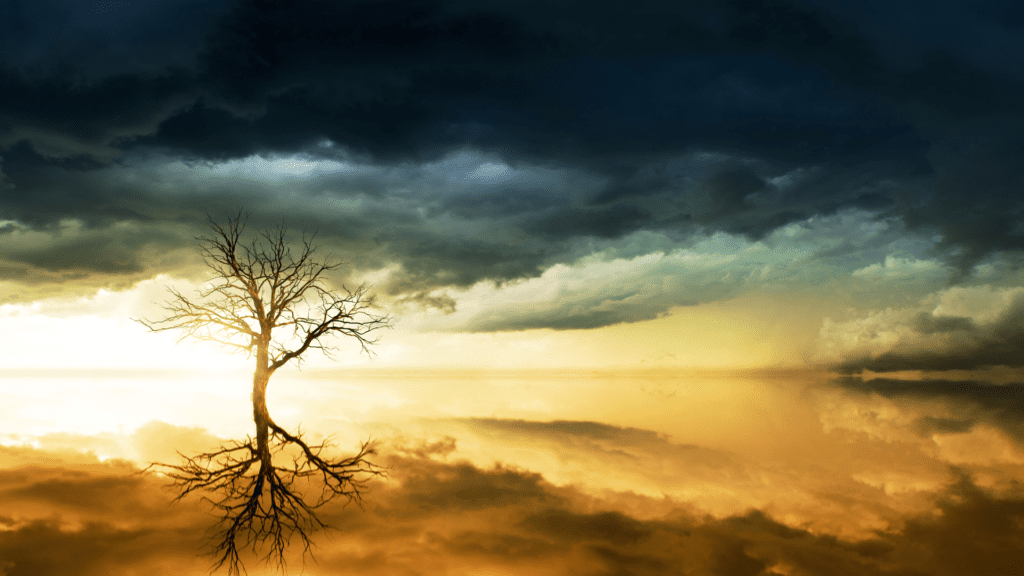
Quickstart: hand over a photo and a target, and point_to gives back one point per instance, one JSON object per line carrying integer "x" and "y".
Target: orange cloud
{"x": 71, "y": 514}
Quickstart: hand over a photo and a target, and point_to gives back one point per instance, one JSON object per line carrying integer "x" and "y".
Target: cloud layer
{"x": 437, "y": 512}
{"x": 441, "y": 144}
{"x": 956, "y": 329}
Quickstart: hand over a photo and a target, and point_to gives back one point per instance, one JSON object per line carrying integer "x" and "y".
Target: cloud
{"x": 623, "y": 101}
{"x": 437, "y": 234}
{"x": 437, "y": 512}
{"x": 872, "y": 488}
{"x": 103, "y": 38}
{"x": 47, "y": 547}
{"x": 74, "y": 515}
{"x": 645, "y": 275}
{"x": 95, "y": 115}
{"x": 632, "y": 458}
{"x": 972, "y": 402}
{"x": 121, "y": 249}
{"x": 895, "y": 268}
{"x": 965, "y": 328}
{"x": 443, "y": 146}
{"x": 568, "y": 531}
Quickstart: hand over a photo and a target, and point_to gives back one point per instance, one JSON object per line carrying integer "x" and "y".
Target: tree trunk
{"x": 260, "y": 415}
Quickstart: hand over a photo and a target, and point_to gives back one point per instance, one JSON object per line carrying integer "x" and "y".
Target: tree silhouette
{"x": 267, "y": 490}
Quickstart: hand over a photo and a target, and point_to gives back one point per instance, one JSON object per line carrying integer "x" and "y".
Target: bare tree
{"x": 268, "y": 490}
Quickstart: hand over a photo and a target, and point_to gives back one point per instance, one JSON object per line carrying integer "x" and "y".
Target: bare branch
{"x": 348, "y": 315}
{"x": 265, "y": 500}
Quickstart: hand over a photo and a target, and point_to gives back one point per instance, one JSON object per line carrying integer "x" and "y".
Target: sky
{"x": 725, "y": 287}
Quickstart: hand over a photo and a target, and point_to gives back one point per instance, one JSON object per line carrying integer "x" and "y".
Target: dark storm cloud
{"x": 976, "y": 202}
{"x": 108, "y": 254}
{"x": 102, "y": 36}
{"x": 95, "y": 255}
{"x": 432, "y": 258}
{"x": 807, "y": 107}
{"x": 77, "y": 122}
